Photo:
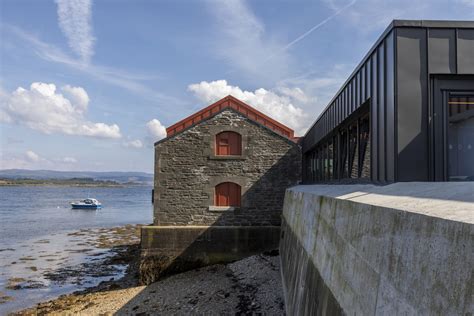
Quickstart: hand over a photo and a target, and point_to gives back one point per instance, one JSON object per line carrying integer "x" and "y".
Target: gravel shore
{"x": 248, "y": 286}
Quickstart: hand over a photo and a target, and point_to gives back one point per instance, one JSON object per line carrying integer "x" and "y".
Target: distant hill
{"x": 117, "y": 176}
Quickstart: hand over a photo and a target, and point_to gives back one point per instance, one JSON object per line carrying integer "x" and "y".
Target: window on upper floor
{"x": 228, "y": 144}
{"x": 227, "y": 194}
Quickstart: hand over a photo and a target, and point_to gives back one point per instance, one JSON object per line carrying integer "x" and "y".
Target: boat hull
{"x": 92, "y": 207}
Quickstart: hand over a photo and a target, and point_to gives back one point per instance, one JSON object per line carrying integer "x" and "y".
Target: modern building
{"x": 406, "y": 113}
{"x": 220, "y": 181}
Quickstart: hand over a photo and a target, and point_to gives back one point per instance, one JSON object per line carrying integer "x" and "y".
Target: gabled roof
{"x": 237, "y": 105}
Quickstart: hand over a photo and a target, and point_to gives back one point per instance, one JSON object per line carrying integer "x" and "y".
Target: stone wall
{"x": 186, "y": 172}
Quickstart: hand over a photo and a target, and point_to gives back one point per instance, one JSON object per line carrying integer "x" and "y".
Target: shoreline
{"x": 250, "y": 285}
{"x": 6, "y": 182}
{"x": 69, "y": 262}
{"x": 127, "y": 255}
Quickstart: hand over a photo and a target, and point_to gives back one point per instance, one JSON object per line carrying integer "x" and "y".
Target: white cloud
{"x": 133, "y": 144}
{"x": 467, "y": 2}
{"x": 132, "y": 82}
{"x": 13, "y": 162}
{"x": 78, "y": 96}
{"x": 280, "y": 107}
{"x": 373, "y": 16}
{"x": 33, "y": 160}
{"x": 156, "y": 129}
{"x": 74, "y": 18}
{"x": 43, "y": 109}
{"x": 243, "y": 42}
{"x": 70, "y": 160}
{"x": 318, "y": 86}
{"x": 32, "y": 156}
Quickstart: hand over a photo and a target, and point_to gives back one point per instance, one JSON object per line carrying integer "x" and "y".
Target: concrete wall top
{"x": 359, "y": 247}
{"x": 448, "y": 200}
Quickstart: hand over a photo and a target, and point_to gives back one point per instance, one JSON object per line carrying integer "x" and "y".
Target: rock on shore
{"x": 251, "y": 285}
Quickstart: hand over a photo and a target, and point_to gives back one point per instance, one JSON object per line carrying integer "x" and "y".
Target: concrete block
{"x": 166, "y": 250}
{"x": 397, "y": 249}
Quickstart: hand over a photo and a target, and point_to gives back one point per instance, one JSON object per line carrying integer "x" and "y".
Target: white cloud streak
{"x": 69, "y": 160}
{"x": 467, "y": 2}
{"x": 129, "y": 81}
{"x": 133, "y": 144}
{"x": 243, "y": 42}
{"x": 279, "y": 106}
{"x": 317, "y": 26}
{"x": 75, "y": 21}
{"x": 43, "y": 109}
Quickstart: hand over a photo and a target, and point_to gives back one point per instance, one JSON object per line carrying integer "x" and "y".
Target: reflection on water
{"x": 47, "y": 249}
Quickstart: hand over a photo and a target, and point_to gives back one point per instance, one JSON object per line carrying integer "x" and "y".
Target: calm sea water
{"x": 31, "y": 212}
{"x": 38, "y": 234}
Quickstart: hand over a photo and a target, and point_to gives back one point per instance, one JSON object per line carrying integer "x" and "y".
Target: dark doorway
{"x": 460, "y": 111}
{"x": 452, "y": 129}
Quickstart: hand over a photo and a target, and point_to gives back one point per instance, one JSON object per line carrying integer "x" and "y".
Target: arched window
{"x": 228, "y": 144}
{"x": 227, "y": 194}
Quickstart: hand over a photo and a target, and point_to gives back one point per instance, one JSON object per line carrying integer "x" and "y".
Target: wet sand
{"x": 63, "y": 263}
{"x": 248, "y": 286}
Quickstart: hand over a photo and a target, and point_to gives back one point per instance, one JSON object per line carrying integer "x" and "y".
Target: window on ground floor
{"x": 227, "y": 194}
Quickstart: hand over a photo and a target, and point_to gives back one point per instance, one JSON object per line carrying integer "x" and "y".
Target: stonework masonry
{"x": 187, "y": 170}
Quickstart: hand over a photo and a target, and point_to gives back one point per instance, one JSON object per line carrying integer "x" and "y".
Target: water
{"x": 38, "y": 234}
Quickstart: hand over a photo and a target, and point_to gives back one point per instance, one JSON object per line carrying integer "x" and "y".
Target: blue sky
{"x": 90, "y": 85}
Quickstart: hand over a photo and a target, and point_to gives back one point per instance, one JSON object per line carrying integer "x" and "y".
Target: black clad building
{"x": 405, "y": 114}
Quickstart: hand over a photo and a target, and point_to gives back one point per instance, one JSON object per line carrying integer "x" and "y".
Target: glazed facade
{"x": 406, "y": 112}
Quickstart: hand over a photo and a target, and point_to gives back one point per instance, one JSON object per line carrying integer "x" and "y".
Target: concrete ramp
{"x": 400, "y": 249}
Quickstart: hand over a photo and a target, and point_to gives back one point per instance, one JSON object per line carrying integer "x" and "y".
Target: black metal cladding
{"x": 396, "y": 78}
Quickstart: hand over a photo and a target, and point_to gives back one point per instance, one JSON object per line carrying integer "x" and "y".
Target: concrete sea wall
{"x": 167, "y": 250}
{"x": 401, "y": 249}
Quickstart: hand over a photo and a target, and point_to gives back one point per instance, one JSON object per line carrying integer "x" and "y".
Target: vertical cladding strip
{"x": 381, "y": 112}
{"x": 340, "y": 108}
{"x": 357, "y": 90}
{"x": 412, "y": 105}
{"x": 363, "y": 85}
{"x": 390, "y": 106}
{"x": 374, "y": 119}
{"x": 348, "y": 105}
{"x": 441, "y": 56}
{"x": 441, "y": 51}
{"x": 333, "y": 115}
{"x": 368, "y": 78}
{"x": 349, "y": 98}
{"x": 353, "y": 94}
{"x": 465, "y": 51}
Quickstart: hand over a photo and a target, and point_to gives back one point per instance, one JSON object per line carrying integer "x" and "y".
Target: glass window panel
{"x": 461, "y": 138}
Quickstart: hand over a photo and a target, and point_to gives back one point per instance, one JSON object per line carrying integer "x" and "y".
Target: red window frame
{"x": 227, "y": 194}
{"x": 228, "y": 144}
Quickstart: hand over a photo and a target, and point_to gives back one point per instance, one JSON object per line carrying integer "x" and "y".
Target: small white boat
{"x": 87, "y": 203}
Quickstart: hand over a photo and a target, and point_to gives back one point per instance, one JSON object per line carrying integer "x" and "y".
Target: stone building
{"x": 220, "y": 181}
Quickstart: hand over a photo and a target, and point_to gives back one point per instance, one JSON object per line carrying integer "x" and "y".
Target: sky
{"x": 91, "y": 85}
